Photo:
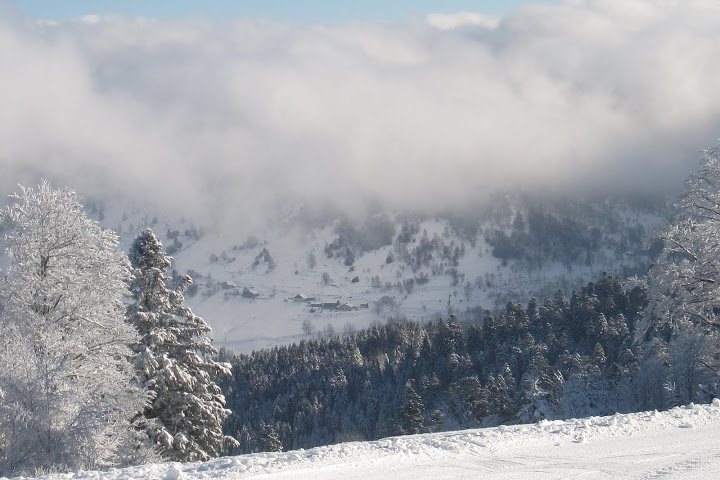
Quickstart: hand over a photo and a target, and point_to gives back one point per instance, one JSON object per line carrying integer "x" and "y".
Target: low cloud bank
{"x": 223, "y": 119}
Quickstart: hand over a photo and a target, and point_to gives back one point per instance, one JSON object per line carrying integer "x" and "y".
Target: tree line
{"x": 561, "y": 358}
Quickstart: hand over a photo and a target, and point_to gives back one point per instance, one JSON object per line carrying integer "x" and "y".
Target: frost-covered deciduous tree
{"x": 693, "y": 357}
{"x": 174, "y": 361}
{"x": 684, "y": 285}
{"x": 65, "y": 373}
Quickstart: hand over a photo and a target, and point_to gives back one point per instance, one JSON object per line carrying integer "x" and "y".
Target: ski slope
{"x": 682, "y": 443}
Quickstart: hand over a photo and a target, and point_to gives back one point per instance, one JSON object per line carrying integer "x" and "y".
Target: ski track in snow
{"x": 682, "y": 443}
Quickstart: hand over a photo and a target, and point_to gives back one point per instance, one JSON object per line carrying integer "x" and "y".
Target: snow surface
{"x": 682, "y": 443}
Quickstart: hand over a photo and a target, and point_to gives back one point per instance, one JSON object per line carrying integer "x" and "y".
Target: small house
{"x": 250, "y": 293}
{"x": 302, "y": 298}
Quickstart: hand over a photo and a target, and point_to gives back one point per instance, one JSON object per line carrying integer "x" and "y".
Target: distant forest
{"x": 589, "y": 355}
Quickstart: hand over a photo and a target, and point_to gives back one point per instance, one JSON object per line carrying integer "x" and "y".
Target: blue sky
{"x": 282, "y": 10}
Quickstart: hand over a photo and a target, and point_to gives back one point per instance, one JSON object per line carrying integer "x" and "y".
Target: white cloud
{"x": 443, "y": 21}
{"x": 217, "y": 115}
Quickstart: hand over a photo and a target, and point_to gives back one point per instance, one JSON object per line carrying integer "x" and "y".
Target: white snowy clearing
{"x": 682, "y": 443}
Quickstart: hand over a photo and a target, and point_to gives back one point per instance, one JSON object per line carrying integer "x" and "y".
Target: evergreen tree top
{"x": 147, "y": 252}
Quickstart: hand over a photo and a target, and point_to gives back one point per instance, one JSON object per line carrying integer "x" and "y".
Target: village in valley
{"x": 313, "y": 303}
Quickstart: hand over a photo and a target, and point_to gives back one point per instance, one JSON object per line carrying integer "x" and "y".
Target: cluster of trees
{"x": 545, "y": 238}
{"x": 560, "y": 359}
{"x": 424, "y": 251}
{"x": 375, "y": 232}
{"x": 538, "y": 238}
{"x": 103, "y": 364}
{"x": 533, "y": 231}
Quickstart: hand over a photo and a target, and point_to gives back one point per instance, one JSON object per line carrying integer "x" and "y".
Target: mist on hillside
{"x": 225, "y": 121}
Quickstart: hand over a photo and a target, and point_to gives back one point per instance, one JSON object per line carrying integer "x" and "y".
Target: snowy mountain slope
{"x": 682, "y": 443}
{"x": 415, "y": 266}
{"x": 395, "y": 265}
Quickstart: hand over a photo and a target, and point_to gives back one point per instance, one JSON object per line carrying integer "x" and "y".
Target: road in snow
{"x": 682, "y": 443}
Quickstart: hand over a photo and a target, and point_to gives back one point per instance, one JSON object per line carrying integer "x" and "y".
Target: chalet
{"x": 250, "y": 293}
{"x": 302, "y": 298}
{"x": 331, "y": 306}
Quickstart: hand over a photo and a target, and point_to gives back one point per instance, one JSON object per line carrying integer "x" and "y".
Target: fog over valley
{"x": 220, "y": 120}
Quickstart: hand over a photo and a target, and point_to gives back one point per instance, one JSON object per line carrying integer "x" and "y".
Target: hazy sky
{"x": 422, "y": 111}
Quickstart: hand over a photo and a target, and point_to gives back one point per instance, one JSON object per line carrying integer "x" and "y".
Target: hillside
{"x": 682, "y": 443}
{"x": 415, "y": 266}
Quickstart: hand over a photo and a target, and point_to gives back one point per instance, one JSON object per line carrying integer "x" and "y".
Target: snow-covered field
{"x": 682, "y": 443}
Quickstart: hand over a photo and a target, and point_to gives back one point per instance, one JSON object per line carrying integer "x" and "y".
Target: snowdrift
{"x": 683, "y": 442}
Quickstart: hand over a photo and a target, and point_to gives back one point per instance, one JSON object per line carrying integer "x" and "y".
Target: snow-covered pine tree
{"x": 65, "y": 372}
{"x": 174, "y": 360}
{"x": 268, "y": 439}
{"x": 468, "y": 400}
{"x": 412, "y": 414}
{"x": 541, "y": 388}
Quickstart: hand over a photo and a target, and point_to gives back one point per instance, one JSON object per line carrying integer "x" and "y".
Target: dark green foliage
{"x": 546, "y": 237}
{"x": 468, "y": 401}
{"x": 582, "y": 231}
{"x": 268, "y": 439}
{"x": 519, "y": 365}
{"x": 412, "y": 414}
